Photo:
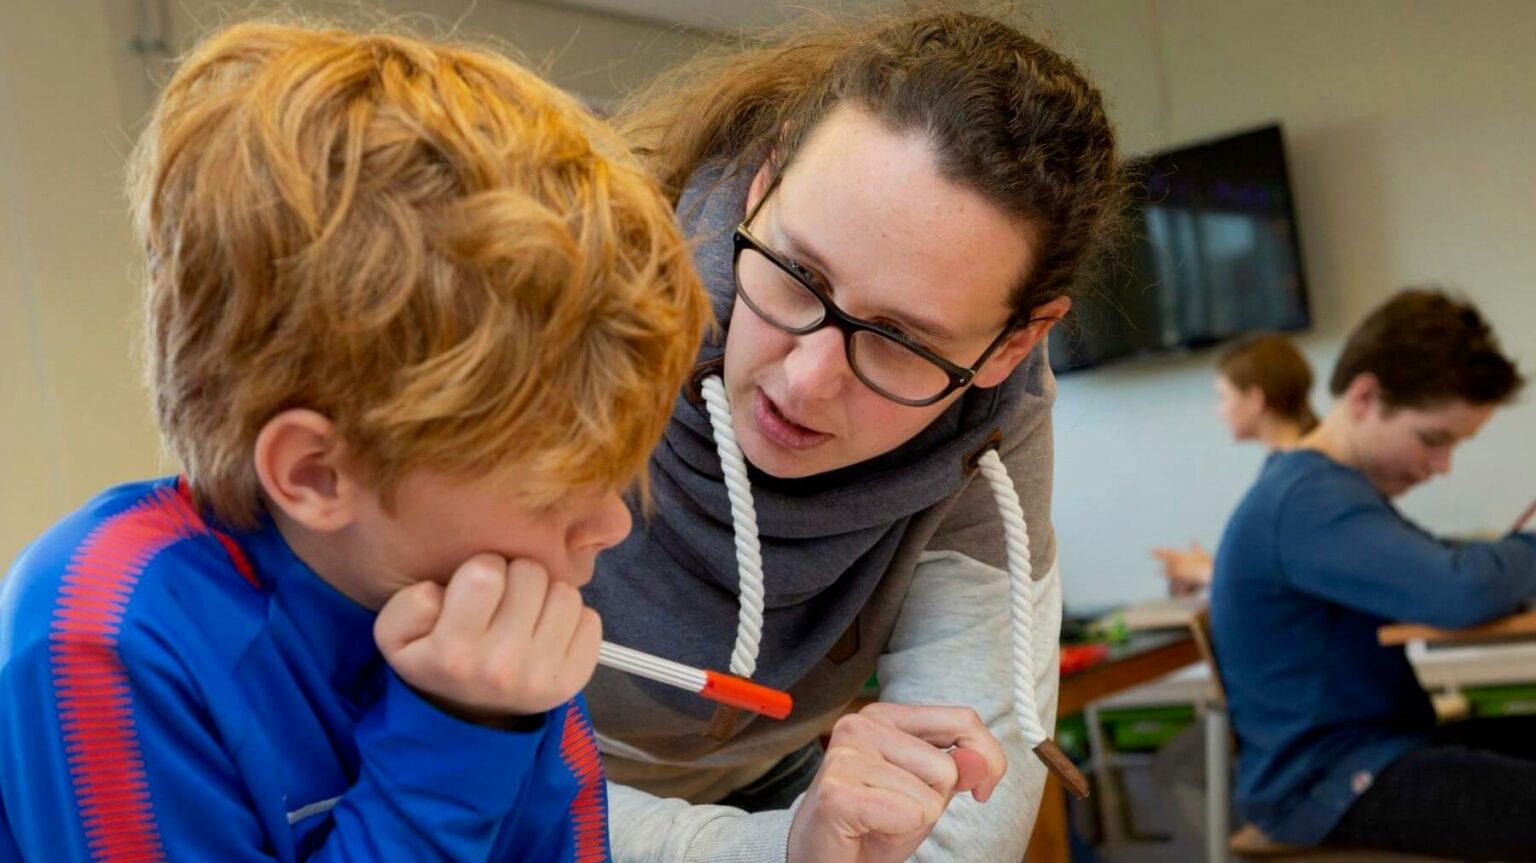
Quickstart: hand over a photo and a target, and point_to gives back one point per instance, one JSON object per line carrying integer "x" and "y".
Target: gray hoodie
{"x": 838, "y": 553}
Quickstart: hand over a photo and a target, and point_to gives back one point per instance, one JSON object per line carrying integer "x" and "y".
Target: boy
{"x": 415, "y": 320}
{"x": 1337, "y": 740}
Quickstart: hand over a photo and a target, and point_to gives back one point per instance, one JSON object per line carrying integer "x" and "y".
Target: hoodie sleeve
{"x": 651, "y": 829}
{"x": 951, "y": 646}
{"x": 1345, "y": 544}
{"x": 109, "y": 749}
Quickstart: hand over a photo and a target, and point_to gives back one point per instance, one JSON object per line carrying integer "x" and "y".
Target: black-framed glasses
{"x": 785, "y": 296}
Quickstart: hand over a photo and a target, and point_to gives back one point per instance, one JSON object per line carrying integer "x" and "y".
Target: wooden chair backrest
{"x": 1200, "y": 627}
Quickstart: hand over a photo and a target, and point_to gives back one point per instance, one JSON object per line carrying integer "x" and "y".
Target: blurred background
{"x": 1408, "y": 127}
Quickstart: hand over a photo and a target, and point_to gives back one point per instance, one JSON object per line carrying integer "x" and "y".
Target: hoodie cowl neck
{"x": 671, "y": 587}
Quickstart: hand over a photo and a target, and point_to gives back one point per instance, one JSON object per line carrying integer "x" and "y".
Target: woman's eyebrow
{"x": 804, "y": 253}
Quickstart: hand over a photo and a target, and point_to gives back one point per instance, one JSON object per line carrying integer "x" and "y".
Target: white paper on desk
{"x": 1172, "y": 612}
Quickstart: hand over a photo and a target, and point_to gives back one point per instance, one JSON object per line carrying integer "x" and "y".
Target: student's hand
{"x": 1188, "y": 570}
{"x": 887, "y": 778}
{"x": 501, "y": 640}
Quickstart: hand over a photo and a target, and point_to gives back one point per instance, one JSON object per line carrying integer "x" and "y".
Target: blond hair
{"x": 450, "y": 259}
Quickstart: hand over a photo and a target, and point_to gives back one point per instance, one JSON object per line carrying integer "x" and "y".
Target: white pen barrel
{"x": 651, "y": 667}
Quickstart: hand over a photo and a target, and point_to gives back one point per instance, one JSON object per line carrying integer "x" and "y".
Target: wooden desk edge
{"x": 1522, "y": 624}
{"x": 1097, "y": 681}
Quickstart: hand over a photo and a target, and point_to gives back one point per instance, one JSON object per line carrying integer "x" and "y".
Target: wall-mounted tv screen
{"x": 1210, "y": 251}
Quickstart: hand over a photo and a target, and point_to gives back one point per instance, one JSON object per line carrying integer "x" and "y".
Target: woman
{"x": 889, "y": 216}
{"x": 1263, "y": 386}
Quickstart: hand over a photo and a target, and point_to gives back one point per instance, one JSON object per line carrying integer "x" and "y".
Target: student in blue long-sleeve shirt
{"x": 1337, "y": 740}
{"x": 415, "y": 320}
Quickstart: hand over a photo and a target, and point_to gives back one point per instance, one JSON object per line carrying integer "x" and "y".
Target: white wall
{"x": 1410, "y": 123}
{"x": 73, "y": 415}
{"x": 1412, "y": 131}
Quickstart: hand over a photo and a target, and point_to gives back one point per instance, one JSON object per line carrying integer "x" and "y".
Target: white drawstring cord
{"x": 1023, "y": 595}
{"x": 1022, "y": 588}
{"x": 749, "y": 550}
{"x": 1022, "y": 592}
{"x": 749, "y": 562}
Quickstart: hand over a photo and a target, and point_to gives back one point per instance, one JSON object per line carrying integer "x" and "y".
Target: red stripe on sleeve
{"x": 589, "y": 811}
{"x": 91, "y": 685}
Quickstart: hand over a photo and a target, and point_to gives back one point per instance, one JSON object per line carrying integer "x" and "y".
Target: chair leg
{"x": 1106, "y": 789}
{"x": 1218, "y": 755}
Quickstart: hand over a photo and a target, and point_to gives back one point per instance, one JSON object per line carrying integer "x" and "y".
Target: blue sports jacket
{"x": 171, "y": 689}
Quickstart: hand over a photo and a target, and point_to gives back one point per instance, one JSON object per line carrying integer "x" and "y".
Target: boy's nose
{"x": 612, "y": 522}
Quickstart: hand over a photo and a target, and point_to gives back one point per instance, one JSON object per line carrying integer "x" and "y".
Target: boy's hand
{"x": 887, "y": 779}
{"x": 501, "y": 640}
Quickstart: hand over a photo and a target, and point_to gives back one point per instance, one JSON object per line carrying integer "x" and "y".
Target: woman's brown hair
{"x": 1006, "y": 116}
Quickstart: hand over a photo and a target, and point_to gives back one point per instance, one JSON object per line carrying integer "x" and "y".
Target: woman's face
{"x": 1239, "y": 409}
{"x": 865, "y": 211}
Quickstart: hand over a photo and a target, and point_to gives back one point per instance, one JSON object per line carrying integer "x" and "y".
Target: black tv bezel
{"x": 1304, "y": 288}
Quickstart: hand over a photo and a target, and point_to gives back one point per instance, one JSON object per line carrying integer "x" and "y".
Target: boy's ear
{"x": 301, "y": 465}
{"x": 1362, "y": 395}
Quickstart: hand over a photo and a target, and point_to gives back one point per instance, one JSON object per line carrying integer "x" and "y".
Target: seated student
{"x": 414, "y": 320}
{"x": 1262, "y": 388}
{"x": 1337, "y": 741}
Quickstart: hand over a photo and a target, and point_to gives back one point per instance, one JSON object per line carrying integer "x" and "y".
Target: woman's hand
{"x": 888, "y": 774}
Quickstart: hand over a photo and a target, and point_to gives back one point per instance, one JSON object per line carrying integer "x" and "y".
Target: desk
{"x": 1145, "y": 657}
{"x": 1521, "y": 625}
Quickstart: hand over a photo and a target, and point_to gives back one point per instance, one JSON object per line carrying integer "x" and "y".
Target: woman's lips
{"x": 781, "y": 429}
